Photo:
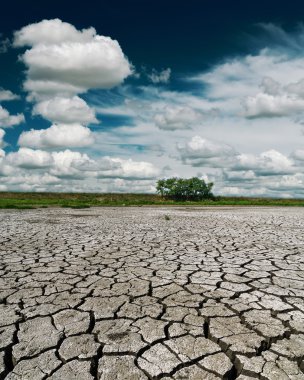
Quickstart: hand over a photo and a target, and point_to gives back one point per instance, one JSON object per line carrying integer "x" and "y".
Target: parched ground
{"x": 124, "y": 293}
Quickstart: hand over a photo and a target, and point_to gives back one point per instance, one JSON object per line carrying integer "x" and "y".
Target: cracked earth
{"x": 124, "y": 293}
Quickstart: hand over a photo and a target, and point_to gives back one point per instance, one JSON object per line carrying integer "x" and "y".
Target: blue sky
{"x": 112, "y": 95}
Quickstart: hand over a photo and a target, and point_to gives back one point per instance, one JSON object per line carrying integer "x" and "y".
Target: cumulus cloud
{"x": 287, "y": 183}
{"x": 61, "y": 56}
{"x": 5, "y": 169}
{"x": 270, "y": 173}
{"x": 265, "y": 105}
{"x": 8, "y": 120}
{"x": 73, "y": 165}
{"x": 283, "y": 186}
{"x": 99, "y": 63}
{"x": 53, "y": 165}
{"x": 275, "y": 100}
{"x": 106, "y": 167}
{"x": 120, "y": 185}
{"x": 162, "y": 76}
{"x": 77, "y": 165}
{"x": 67, "y": 164}
{"x": 267, "y": 163}
{"x": 46, "y": 89}
{"x": 30, "y": 159}
{"x": 296, "y": 88}
{"x": 178, "y": 117}
{"x": 127, "y": 169}
{"x": 62, "y": 62}
{"x": 31, "y": 182}
{"x": 202, "y": 152}
{"x": 6, "y": 95}
{"x": 2, "y": 133}
{"x": 56, "y": 136}
{"x": 298, "y": 155}
{"x": 239, "y": 175}
{"x": 270, "y": 86}
{"x": 65, "y": 110}
{"x": 50, "y": 32}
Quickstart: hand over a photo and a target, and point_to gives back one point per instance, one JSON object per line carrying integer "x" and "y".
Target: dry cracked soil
{"x": 152, "y": 293}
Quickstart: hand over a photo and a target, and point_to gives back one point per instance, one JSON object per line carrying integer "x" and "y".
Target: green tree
{"x": 180, "y": 189}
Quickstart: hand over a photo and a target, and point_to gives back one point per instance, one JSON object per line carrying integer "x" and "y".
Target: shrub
{"x": 180, "y": 189}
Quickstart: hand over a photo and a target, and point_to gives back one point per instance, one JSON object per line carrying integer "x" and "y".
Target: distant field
{"x": 82, "y": 200}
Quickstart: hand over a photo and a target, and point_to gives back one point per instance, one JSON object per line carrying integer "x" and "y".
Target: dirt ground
{"x": 152, "y": 293}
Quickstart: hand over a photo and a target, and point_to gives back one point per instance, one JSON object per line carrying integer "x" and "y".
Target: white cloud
{"x": 65, "y": 110}
{"x": 275, "y": 100}
{"x": 239, "y": 175}
{"x": 287, "y": 183}
{"x": 265, "y": 105}
{"x": 67, "y": 163}
{"x": 240, "y": 191}
{"x": 30, "y": 182}
{"x": 61, "y": 63}
{"x": 46, "y": 89}
{"x": 2, "y": 133}
{"x": 239, "y": 81}
{"x": 203, "y": 152}
{"x": 104, "y": 167}
{"x": 6, "y": 95}
{"x": 61, "y": 56}
{"x": 5, "y": 169}
{"x": 56, "y": 136}
{"x": 8, "y": 120}
{"x": 267, "y": 163}
{"x": 77, "y": 165}
{"x": 298, "y": 155}
{"x": 51, "y": 32}
{"x": 30, "y": 159}
{"x": 120, "y": 185}
{"x": 99, "y": 63}
{"x": 173, "y": 118}
{"x": 296, "y": 88}
{"x": 127, "y": 169}
{"x": 270, "y": 86}
{"x": 162, "y": 76}
{"x": 234, "y": 78}
{"x": 283, "y": 186}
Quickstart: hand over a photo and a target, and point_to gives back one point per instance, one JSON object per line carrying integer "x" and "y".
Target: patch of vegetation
{"x": 85, "y": 200}
{"x": 184, "y": 189}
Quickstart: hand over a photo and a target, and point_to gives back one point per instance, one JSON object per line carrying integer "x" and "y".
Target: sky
{"x": 110, "y": 96}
